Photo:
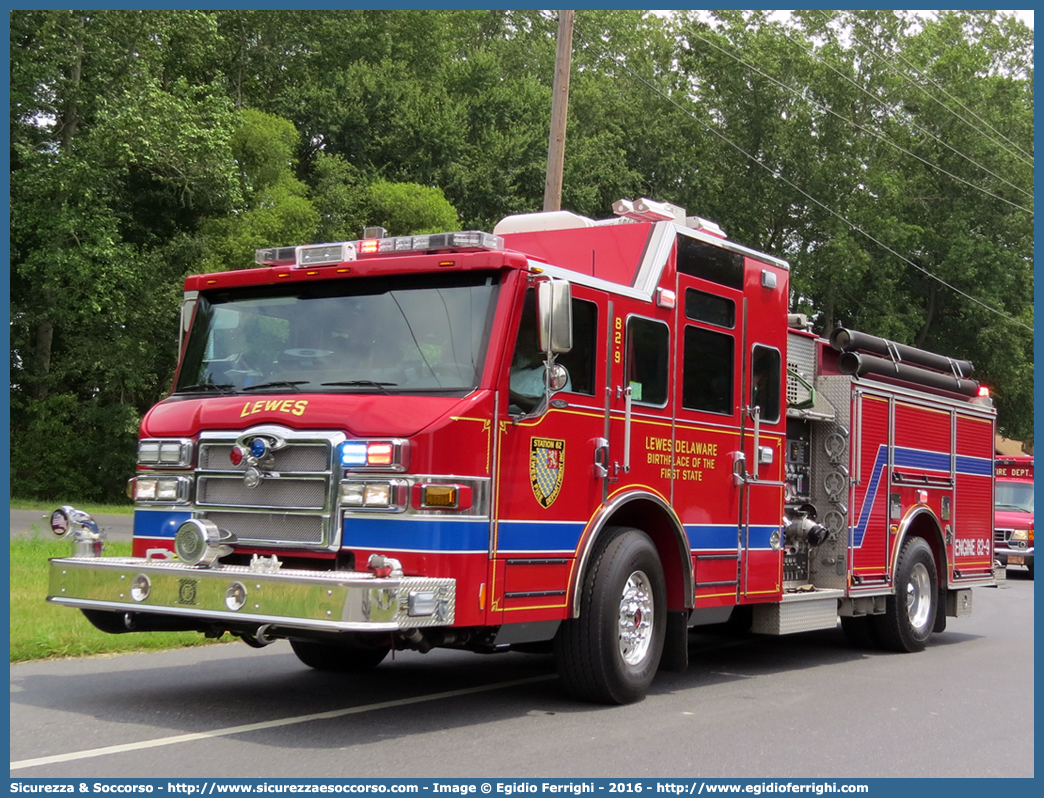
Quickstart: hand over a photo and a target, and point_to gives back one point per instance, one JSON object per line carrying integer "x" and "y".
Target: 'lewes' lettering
{"x": 275, "y": 406}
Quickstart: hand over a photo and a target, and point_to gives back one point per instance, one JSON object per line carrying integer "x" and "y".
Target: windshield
{"x": 401, "y": 335}
{"x": 1015, "y": 496}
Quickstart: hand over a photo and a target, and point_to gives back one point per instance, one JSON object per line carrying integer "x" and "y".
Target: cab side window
{"x": 707, "y": 371}
{"x": 765, "y": 377}
{"x": 527, "y": 364}
{"x": 647, "y": 360}
{"x": 580, "y": 360}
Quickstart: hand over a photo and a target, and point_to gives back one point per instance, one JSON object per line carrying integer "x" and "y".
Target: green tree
{"x": 276, "y": 208}
{"x": 339, "y": 195}
{"x": 887, "y": 155}
{"x": 406, "y": 208}
{"x": 852, "y": 152}
{"x": 119, "y": 146}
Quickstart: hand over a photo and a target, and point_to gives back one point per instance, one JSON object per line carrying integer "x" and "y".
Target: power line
{"x": 801, "y": 191}
{"x": 919, "y": 128}
{"x": 1017, "y": 152}
{"x": 863, "y": 129}
{"x": 1028, "y": 158}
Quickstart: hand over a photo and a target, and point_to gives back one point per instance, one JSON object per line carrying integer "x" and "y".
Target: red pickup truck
{"x": 1013, "y": 515}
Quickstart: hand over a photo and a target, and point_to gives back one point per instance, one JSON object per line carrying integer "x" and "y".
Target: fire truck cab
{"x": 582, "y": 436}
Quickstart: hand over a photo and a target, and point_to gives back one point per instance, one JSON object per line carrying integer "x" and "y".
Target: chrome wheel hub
{"x": 918, "y": 596}
{"x": 636, "y": 618}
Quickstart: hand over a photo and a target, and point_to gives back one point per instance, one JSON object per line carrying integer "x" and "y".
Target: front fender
{"x": 662, "y": 526}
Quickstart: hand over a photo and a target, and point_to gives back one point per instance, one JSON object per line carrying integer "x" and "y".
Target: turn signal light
{"x": 443, "y": 496}
{"x": 439, "y": 496}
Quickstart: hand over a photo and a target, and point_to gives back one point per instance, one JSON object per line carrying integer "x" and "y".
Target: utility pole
{"x": 559, "y": 109}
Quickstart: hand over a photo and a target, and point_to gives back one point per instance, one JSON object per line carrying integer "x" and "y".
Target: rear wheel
{"x": 611, "y": 652}
{"x": 338, "y": 657}
{"x": 910, "y": 614}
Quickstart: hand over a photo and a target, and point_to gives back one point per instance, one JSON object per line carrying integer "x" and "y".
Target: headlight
{"x": 378, "y": 495}
{"x": 383, "y": 495}
{"x": 352, "y": 494}
{"x": 165, "y": 453}
{"x": 166, "y": 490}
{"x": 1020, "y": 534}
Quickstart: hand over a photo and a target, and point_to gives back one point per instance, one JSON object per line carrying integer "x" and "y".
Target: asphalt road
{"x": 35, "y": 522}
{"x": 798, "y": 706}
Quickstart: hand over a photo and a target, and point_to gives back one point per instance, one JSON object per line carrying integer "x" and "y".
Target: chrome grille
{"x": 277, "y": 493}
{"x": 271, "y": 527}
{"x": 295, "y": 457}
{"x": 290, "y": 507}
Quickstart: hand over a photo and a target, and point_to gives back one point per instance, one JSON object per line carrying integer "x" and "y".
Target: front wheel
{"x": 611, "y": 652}
{"x": 339, "y": 658}
{"x": 910, "y": 614}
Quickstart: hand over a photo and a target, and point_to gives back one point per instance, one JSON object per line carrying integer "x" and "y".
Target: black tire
{"x": 910, "y": 614}
{"x": 339, "y": 658}
{"x": 595, "y": 661}
{"x": 1030, "y": 569}
{"x": 861, "y": 632}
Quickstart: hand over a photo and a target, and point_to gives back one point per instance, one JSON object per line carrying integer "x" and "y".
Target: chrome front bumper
{"x": 335, "y": 601}
{"x": 1002, "y": 553}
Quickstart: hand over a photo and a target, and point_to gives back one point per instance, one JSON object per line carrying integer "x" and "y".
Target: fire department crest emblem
{"x": 546, "y": 468}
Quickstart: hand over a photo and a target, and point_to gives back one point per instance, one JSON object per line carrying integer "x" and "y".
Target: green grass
{"x": 40, "y": 630}
{"x": 47, "y": 507}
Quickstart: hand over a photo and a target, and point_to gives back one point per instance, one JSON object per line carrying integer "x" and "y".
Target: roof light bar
{"x": 326, "y": 254}
{"x": 705, "y": 225}
{"x": 647, "y": 210}
{"x": 330, "y": 254}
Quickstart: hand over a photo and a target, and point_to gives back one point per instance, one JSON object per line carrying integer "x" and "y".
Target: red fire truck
{"x": 572, "y": 435}
{"x": 1013, "y": 523}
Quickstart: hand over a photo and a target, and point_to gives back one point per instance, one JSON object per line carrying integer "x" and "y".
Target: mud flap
{"x": 940, "y": 614}
{"x": 675, "y": 655}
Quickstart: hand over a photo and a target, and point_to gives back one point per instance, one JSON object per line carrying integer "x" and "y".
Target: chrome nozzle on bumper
{"x": 335, "y": 601}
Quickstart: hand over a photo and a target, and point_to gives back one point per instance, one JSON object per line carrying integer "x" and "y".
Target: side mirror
{"x": 557, "y": 377}
{"x": 555, "y": 315}
{"x": 188, "y": 306}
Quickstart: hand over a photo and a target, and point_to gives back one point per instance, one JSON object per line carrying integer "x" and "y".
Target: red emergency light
{"x": 344, "y": 251}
